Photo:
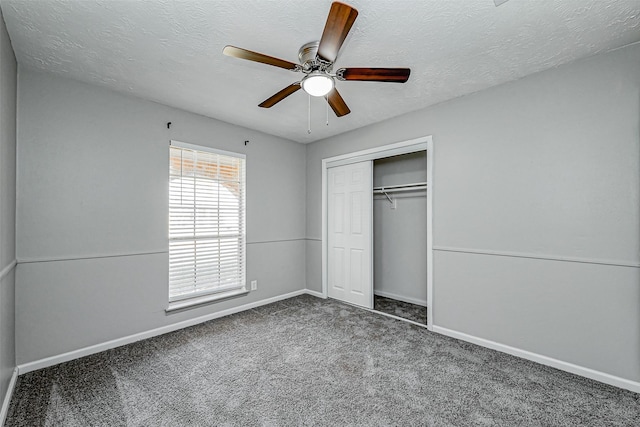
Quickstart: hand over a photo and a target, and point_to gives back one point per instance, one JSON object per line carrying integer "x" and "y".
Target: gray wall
{"x": 8, "y": 86}
{"x": 530, "y": 177}
{"x": 399, "y": 243}
{"x": 93, "y": 213}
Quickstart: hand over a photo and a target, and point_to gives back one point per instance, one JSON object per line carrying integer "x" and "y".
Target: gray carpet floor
{"x": 308, "y": 361}
{"x": 414, "y": 312}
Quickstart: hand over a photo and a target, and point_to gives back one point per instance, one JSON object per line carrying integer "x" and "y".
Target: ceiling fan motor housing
{"x": 309, "y": 60}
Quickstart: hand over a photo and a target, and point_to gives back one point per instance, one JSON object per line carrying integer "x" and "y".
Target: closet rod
{"x": 396, "y": 188}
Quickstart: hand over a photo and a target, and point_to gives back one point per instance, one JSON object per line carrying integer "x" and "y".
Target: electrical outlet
{"x": 254, "y": 285}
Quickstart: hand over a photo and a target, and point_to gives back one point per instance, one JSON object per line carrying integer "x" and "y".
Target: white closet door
{"x": 350, "y": 210}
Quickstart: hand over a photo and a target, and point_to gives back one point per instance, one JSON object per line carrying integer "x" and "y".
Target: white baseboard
{"x": 315, "y": 293}
{"x": 544, "y": 360}
{"x": 410, "y": 300}
{"x": 97, "y": 348}
{"x": 7, "y": 397}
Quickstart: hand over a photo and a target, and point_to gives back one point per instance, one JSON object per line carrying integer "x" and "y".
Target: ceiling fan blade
{"x": 341, "y": 18}
{"x": 238, "y": 52}
{"x": 337, "y": 103}
{"x": 396, "y": 75}
{"x": 270, "y": 102}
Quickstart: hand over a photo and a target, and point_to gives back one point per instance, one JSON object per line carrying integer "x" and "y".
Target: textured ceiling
{"x": 171, "y": 51}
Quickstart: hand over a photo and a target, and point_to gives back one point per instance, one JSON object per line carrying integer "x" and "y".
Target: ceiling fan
{"x": 316, "y": 62}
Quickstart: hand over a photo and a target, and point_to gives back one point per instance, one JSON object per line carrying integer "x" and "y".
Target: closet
{"x": 377, "y": 222}
{"x": 399, "y": 236}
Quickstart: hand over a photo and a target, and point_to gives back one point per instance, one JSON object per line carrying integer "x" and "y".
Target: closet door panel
{"x": 356, "y": 279}
{"x": 337, "y": 272}
{"x": 350, "y": 233}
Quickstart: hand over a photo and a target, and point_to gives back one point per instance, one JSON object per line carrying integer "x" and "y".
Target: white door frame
{"x": 424, "y": 143}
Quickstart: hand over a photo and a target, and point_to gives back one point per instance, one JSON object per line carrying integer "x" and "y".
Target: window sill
{"x": 198, "y": 301}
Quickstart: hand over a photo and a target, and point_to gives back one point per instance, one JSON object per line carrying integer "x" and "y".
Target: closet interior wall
{"x": 399, "y": 235}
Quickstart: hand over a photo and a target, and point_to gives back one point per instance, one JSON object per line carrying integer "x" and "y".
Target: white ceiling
{"x": 171, "y": 51}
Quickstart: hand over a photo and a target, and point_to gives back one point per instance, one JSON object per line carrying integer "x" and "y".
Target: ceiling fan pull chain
{"x": 326, "y": 98}
{"x": 309, "y": 116}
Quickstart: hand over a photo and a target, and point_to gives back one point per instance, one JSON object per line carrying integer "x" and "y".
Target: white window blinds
{"x": 206, "y": 222}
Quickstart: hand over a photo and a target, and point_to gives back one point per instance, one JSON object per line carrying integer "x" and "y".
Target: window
{"x": 206, "y": 224}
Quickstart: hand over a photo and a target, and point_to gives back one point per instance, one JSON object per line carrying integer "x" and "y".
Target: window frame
{"x": 216, "y": 294}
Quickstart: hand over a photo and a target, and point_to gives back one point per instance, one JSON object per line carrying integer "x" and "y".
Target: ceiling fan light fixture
{"x": 318, "y": 84}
